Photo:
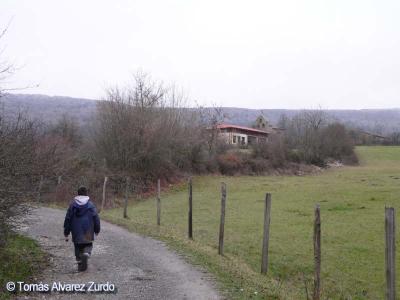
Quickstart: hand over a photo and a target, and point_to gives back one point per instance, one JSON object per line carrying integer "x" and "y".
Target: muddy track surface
{"x": 139, "y": 267}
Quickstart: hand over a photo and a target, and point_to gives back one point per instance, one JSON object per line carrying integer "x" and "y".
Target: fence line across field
{"x": 390, "y": 234}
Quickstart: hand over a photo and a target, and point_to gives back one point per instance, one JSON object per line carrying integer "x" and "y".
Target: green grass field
{"x": 21, "y": 259}
{"x": 352, "y": 203}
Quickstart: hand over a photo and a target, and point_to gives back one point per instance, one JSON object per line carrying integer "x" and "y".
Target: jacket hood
{"x": 81, "y": 200}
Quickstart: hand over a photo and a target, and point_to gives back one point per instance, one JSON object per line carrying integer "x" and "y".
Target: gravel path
{"x": 140, "y": 267}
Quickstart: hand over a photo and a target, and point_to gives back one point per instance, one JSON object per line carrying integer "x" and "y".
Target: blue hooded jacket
{"x": 82, "y": 220}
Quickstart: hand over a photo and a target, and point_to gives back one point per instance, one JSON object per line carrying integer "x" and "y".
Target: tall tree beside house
{"x": 211, "y": 118}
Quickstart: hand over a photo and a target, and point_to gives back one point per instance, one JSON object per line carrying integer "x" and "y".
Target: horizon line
{"x": 232, "y": 107}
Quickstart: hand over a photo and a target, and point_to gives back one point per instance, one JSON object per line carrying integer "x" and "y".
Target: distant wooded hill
{"x": 50, "y": 109}
{"x": 47, "y": 108}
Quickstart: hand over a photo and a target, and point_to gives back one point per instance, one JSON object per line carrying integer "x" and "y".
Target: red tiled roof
{"x": 226, "y": 126}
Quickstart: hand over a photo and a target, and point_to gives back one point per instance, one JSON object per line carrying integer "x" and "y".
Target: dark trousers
{"x": 82, "y": 248}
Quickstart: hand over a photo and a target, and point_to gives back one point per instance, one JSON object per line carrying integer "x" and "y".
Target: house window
{"x": 243, "y": 140}
{"x": 234, "y": 139}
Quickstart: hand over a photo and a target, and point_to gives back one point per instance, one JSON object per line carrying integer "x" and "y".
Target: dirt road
{"x": 139, "y": 267}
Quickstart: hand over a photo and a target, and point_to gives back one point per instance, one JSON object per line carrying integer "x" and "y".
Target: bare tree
{"x": 395, "y": 138}
{"x": 336, "y": 142}
{"x": 67, "y": 129}
{"x": 314, "y": 137}
{"x": 6, "y": 68}
{"x": 143, "y": 129}
{"x": 283, "y": 121}
{"x": 211, "y": 117}
{"x": 18, "y": 175}
{"x": 18, "y": 158}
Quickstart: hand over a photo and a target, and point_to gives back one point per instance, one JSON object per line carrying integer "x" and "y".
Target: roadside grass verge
{"x": 20, "y": 260}
{"x": 352, "y": 201}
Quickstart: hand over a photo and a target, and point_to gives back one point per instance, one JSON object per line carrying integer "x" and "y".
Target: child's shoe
{"x": 84, "y": 259}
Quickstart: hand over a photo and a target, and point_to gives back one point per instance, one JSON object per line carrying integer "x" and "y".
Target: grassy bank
{"x": 19, "y": 260}
{"x": 352, "y": 203}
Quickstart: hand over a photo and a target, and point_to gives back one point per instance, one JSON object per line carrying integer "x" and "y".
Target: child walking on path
{"x": 83, "y": 222}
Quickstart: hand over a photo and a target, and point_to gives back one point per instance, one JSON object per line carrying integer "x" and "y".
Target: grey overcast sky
{"x": 255, "y": 54}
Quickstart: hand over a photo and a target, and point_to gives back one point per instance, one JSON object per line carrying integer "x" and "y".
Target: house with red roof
{"x": 243, "y": 136}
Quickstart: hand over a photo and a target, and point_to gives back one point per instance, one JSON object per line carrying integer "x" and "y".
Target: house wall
{"x": 240, "y": 137}
{"x": 225, "y": 136}
{"x": 233, "y": 138}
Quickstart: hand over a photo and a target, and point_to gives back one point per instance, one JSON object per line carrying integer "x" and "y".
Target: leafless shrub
{"x": 17, "y": 160}
{"x": 230, "y": 163}
{"x": 394, "y": 138}
{"x": 274, "y": 149}
{"x": 144, "y": 130}
{"x": 336, "y": 142}
{"x": 67, "y": 129}
{"x": 312, "y": 137}
{"x": 18, "y": 169}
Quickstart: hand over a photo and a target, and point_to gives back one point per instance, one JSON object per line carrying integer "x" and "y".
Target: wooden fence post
{"x": 390, "y": 253}
{"x": 40, "y": 188}
{"x": 190, "y": 217}
{"x": 103, "y": 200}
{"x": 222, "y": 219}
{"x": 158, "y": 203}
{"x": 126, "y": 198}
{"x": 317, "y": 254}
{"x": 267, "y": 221}
{"x": 104, "y": 164}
